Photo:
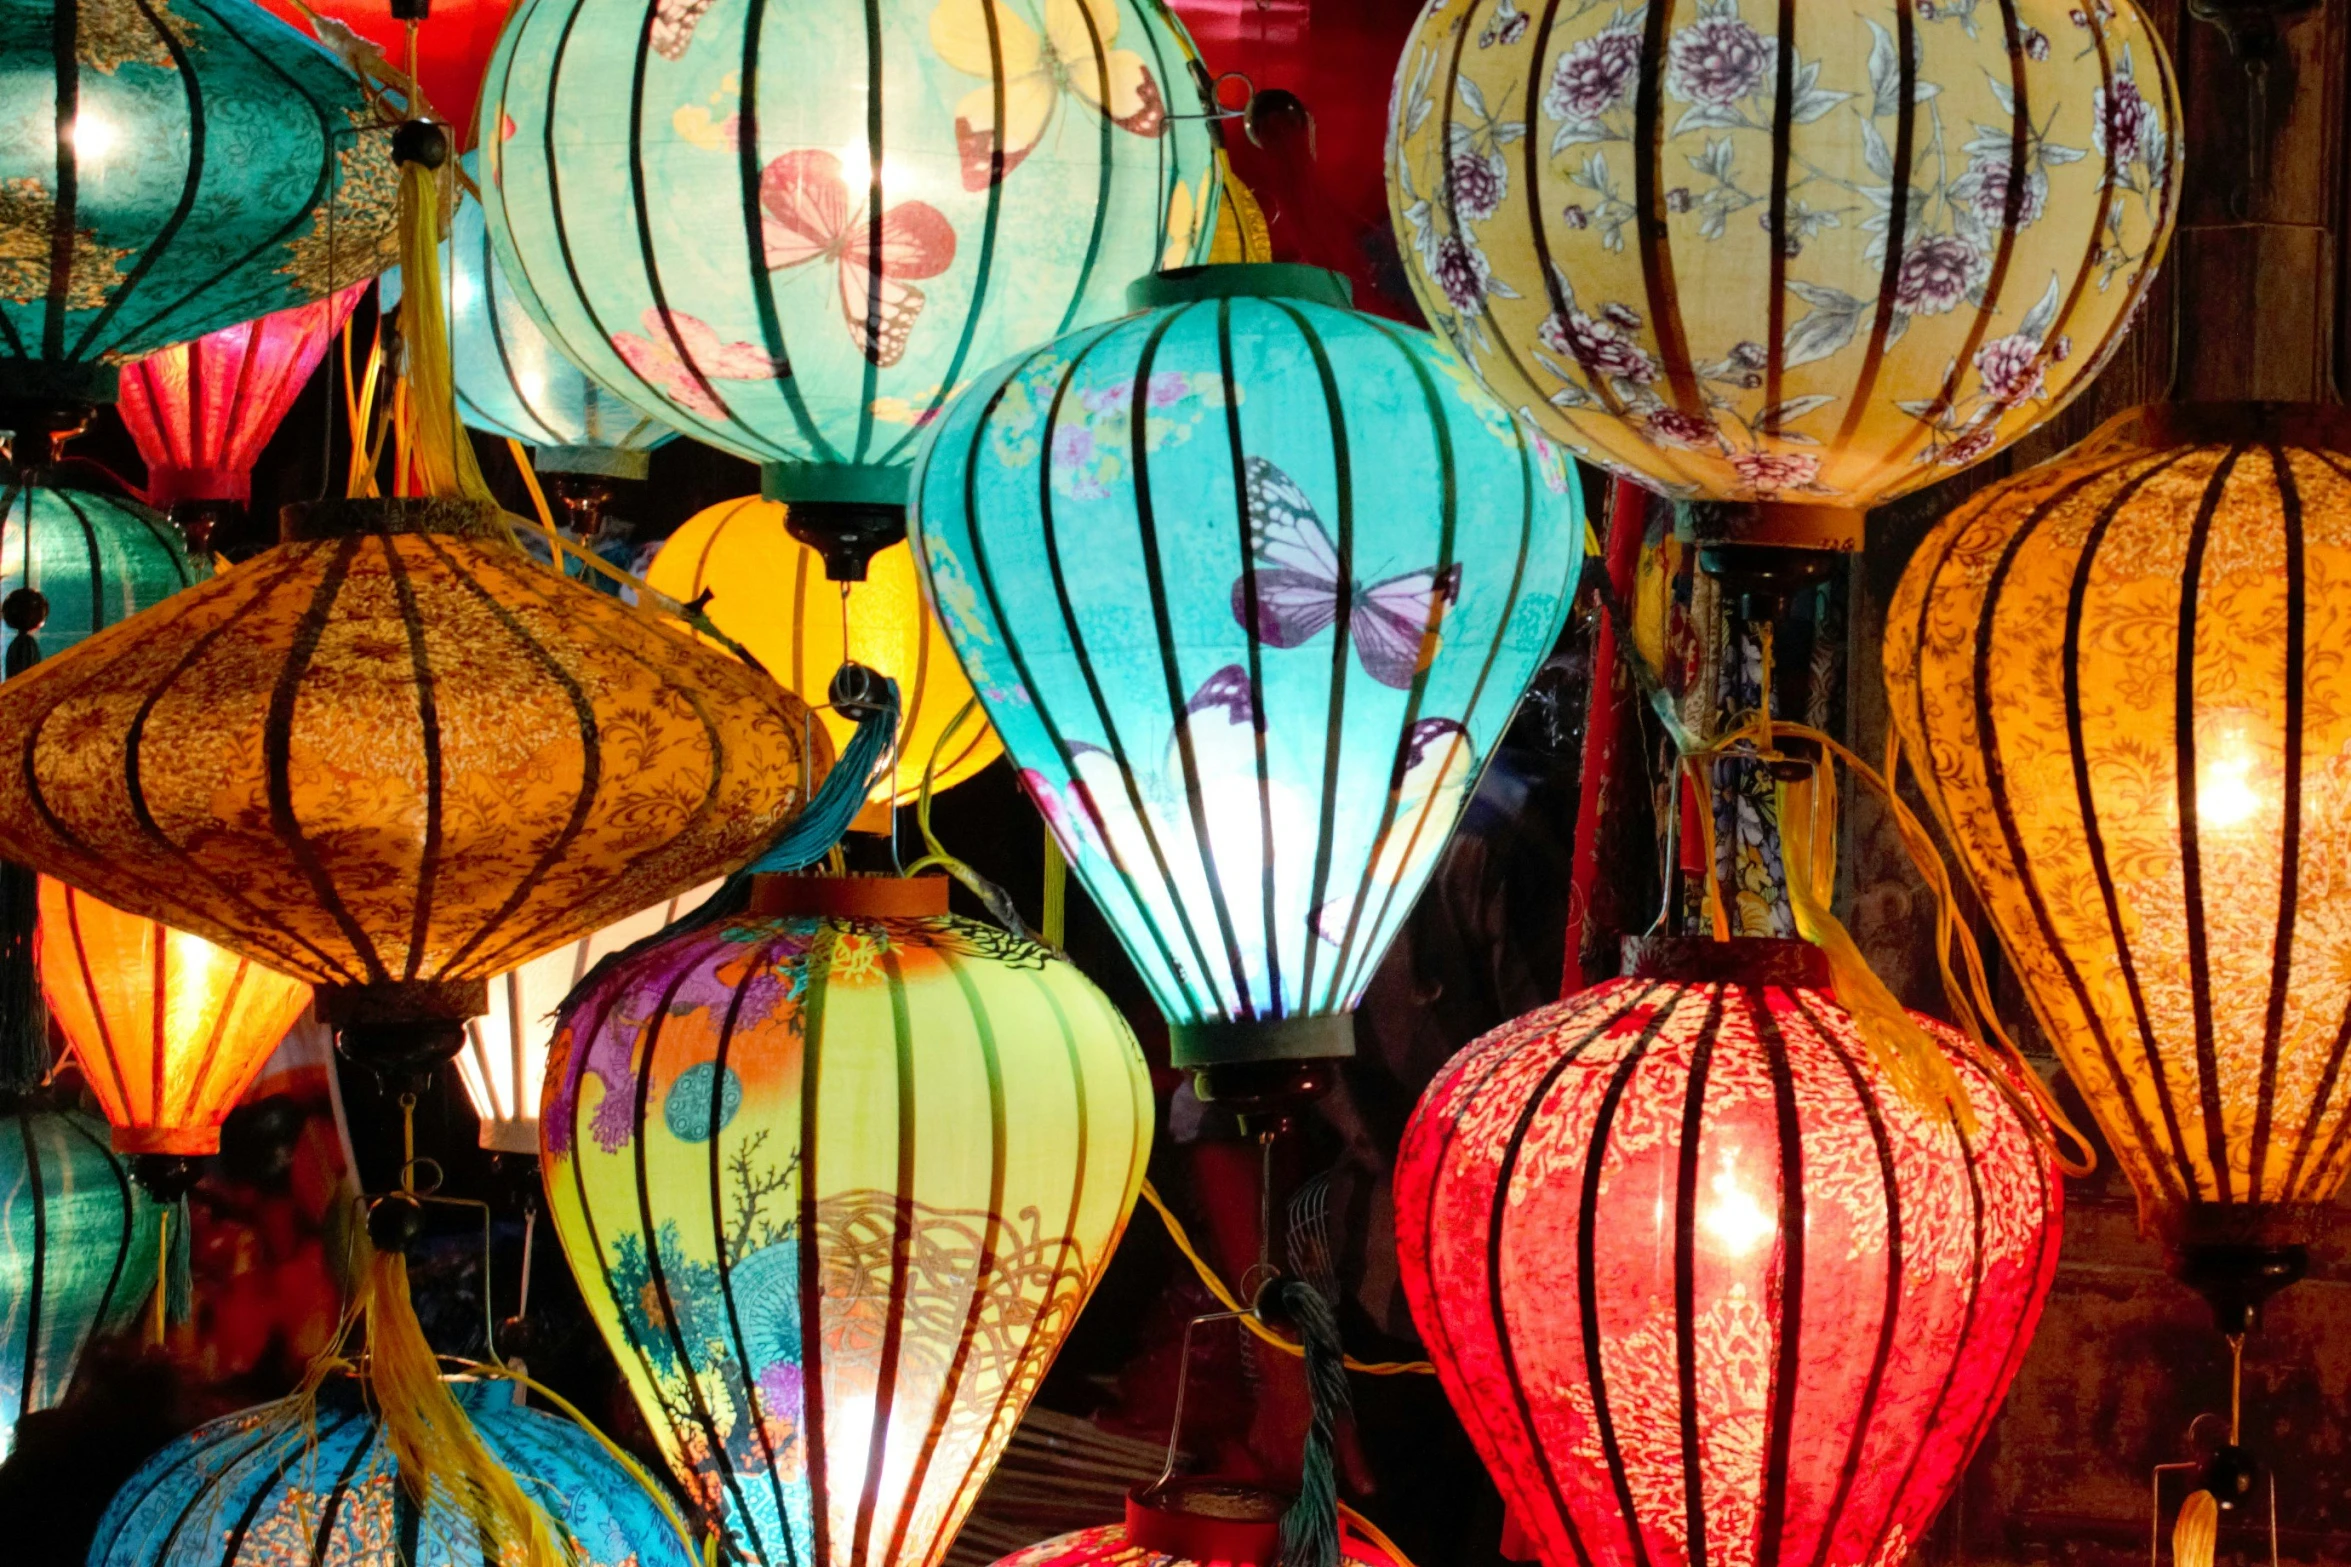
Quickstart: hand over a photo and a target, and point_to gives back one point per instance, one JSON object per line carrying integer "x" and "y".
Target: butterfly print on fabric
{"x": 673, "y": 26}
{"x": 1434, "y": 768}
{"x": 1393, "y": 625}
{"x": 811, "y": 217}
{"x": 680, "y": 356}
{"x": 1072, "y": 57}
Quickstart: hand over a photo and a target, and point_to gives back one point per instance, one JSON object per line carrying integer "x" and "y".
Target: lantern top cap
{"x": 1205, "y": 1519}
{"x": 2325, "y": 425}
{"x": 1742, "y": 960}
{"x": 310, "y": 521}
{"x": 1241, "y": 280}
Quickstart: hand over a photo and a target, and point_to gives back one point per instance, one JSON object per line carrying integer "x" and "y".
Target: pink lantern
{"x": 1702, "y": 1284}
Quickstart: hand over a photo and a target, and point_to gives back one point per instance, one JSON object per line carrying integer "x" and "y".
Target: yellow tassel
{"x": 2196, "y": 1534}
{"x": 442, "y": 453}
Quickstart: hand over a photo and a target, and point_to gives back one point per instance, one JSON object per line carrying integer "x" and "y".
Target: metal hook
{"x": 1175, "y": 1429}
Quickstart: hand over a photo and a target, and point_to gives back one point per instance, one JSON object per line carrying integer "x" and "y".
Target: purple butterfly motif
{"x": 1392, "y": 624}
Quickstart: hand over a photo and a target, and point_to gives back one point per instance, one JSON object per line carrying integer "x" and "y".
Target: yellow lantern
{"x": 2120, "y": 678}
{"x": 769, "y": 591}
{"x": 169, "y": 1028}
{"x": 1817, "y": 255}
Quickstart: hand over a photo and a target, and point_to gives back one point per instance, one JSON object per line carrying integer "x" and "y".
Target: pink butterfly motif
{"x": 680, "y": 356}
{"x": 811, "y": 217}
{"x": 1391, "y": 624}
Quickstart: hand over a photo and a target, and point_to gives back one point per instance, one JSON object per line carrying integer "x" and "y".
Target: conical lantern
{"x": 89, "y": 559}
{"x": 1806, "y": 255}
{"x": 1702, "y": 1284}
{"x": 770, "y": 591}
{"x": 504, "y": 1063}
{"x": 78, "y": 1248}
{"x": 1249, "y": 583}
{"x": 257, "y": 1486}
{"x": 394, "y": 758}
{"x": 2117, "y": 680}
{"x": 835, "y": 1177}
{"x": 169, "y": 1029}
{"x": 808, "y": 225}
{"x": 176, "y": 169}
{"x": 201, "y": 412}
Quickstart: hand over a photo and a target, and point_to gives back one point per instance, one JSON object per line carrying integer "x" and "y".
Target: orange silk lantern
{"x": 169, "y": 1029}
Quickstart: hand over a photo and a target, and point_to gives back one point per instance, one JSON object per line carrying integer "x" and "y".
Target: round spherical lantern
{"x": 1805, "y": 255}
{"x": 89, "y": 559}
{"x": 793, "y": 231}
{"x": 394, "y": 757}
{"x": 169, "y": 1029}
{"x": 2116, "y": 679}
{"x": 835, "y": 1177}
{"x": 201, "y": 412}
{"x": 1702, "y": 1283}
{"x": 504, "y": 1063}
{"x": 261, "y": 1486}
{"x": 178, "y": 169}
{"x": 78, "y": 1244}
{"x": 1250, "y": 584}
{"x": 769, "y": 591}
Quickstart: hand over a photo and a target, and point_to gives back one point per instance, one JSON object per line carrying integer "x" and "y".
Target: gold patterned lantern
{"x": 1812, "y": 255}
{"x": 2120, "y": 678}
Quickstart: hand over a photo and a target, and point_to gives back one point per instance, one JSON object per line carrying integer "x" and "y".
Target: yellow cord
{"x": 530, "y": 482}
{"x": 1231, "y": 1302}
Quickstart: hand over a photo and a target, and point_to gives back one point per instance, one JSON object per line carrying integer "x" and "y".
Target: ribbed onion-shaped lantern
{"x": 78, "y": 1248}
{"x": 2117, "y": 679}
{"x": 394, "y": 757}
{"x": 1249, "y": 583}
{"x": 769, "y": 591}
{"x": 201, "y": 412}
{"x": 1188, "y": 1524}
{"x": 1809, "y": 254}
{"x": 504, "y": 1063}
{"x": 1702, "y": 1284}
{"x": 256, "y": 1487}
{"x": 794, "y": 231}
{"x": 91, "y": 558}
{"x": 170, "y": 1030}
{"x": 177, "y": 168}
{"x": 835, "y": 1180}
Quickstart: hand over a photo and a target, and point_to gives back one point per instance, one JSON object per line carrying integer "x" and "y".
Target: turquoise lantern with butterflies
{"x": 1250, "y": 584}
{"x": 793, "y": 231}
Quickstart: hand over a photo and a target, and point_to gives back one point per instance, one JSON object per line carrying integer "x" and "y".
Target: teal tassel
{"x": 1310, "y": 1528}
{"x": 179, "y": 1275}
{"x": 815, "y": 830}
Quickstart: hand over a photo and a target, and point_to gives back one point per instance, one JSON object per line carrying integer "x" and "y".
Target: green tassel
{"x": 1310, "y": 1528}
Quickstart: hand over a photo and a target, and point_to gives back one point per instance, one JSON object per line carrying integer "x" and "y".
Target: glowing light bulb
{"x": 1734, "y": 1218}
{"x": 93, "y": 135}
{"x": 2225, "y": 795}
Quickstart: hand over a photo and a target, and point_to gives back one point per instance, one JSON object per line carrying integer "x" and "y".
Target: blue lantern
{"x": 792, "y": 231}
{"x": 171, "y": 169}
{"x": 1250, "y": 584}
{"x": 78, "y": 1251}
{"x": 261, "y": 1486}
{"x": 92, "y": 559}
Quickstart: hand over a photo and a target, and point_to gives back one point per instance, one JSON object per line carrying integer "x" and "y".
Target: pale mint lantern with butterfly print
{"x": 1250, "y": 584}
{"x": 793, "y": 231}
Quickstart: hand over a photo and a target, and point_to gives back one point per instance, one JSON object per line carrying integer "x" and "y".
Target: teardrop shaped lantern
{"x": 393, "y": 757}
{"x": 89, "y": 559}
{"x": 769, "y": 590}
{"x": 169, "y": 1029}
{"x": 257, "y": 1486}
{"x": 2115, "y": 674}
{"x": 792, "y": 232}
{"x": 504, "y": 1063}
{"x": 1805, "y": 255}
{"x": 1701, "y": 1283}
{"x": 178, "y": 169}
{"x": 1250, "y": 584}
{"x": 78, "y": 1246}
{"x": 835, "y": 1177}
{"x": 201, "y": 412}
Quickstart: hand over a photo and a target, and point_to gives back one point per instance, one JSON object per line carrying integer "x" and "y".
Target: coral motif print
{"x": 811, "y": 216}
{"x": 1072, "y": 56}
{"x": 1828, "y": 265}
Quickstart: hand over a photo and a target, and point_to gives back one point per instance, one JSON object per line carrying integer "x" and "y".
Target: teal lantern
{"x": 512, "y": 382}
{"x": 262, "y": 1486}
{"x": 793, "y": 231}
{"x": 78, "y": 1250}
{"x": 88, "y": 558}
{"x": 1250, "y": 584}
{"x": 171, "y": 169}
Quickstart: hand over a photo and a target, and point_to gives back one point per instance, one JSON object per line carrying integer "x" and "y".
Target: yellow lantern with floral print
{"x": 1810, "y": 255}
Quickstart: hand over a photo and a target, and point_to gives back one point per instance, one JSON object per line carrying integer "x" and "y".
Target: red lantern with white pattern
{"x": 1703, "y": 1285}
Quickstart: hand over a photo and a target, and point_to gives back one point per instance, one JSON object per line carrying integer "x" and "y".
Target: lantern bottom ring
{"x": 1227, "y": 1041}
{"x": 406, "y": 1029}
{"x": 848, "y": 534}
{"x": 603, "y": 462}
